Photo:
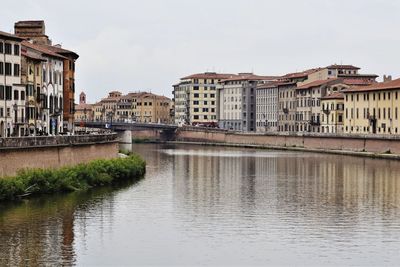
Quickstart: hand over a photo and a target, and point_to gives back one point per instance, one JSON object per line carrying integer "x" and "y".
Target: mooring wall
{"x": 54, "y": 152}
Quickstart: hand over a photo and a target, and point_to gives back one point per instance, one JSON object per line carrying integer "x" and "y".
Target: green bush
{"x": 68, "y": 179}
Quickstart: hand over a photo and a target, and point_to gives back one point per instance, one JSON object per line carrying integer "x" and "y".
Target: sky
{"x": 149, "y": 45}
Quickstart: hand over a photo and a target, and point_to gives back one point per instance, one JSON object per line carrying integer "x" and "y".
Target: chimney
{"x": 387, "y": 78}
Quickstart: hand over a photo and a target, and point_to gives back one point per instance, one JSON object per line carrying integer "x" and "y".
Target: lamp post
{"x": 15, "y": 108}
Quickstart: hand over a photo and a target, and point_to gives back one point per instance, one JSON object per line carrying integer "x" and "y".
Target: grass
{"x": 69, "y": 179}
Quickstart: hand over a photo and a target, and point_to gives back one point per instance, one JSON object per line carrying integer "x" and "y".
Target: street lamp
{"x": 15, "y": 108}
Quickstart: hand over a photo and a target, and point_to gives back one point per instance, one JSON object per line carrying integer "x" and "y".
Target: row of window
{"x": 8, "y": 69}
{"x": 7, "y": 48}
{"x": 375, "y": 96}
{"x": 372, "y": 113}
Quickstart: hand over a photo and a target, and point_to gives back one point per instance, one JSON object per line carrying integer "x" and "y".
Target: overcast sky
{"x": 148, "y": 45}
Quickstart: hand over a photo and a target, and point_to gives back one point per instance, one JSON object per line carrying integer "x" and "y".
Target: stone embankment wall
{"x": 54, "y": 152}
{"x": 315, "y": 142}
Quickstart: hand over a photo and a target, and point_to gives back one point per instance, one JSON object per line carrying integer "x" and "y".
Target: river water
{"x": 218, "y": 206}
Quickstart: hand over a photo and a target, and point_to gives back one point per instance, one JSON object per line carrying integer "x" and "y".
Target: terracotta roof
{"x": 300, "y": 74}
{"x": 315, "y": 84}
{"x": 10, "y": 36}
{"x": 272, "y": 84}
{"x": 25, "y": 53}
{"x": 348, "y": 67}
{"x": 391, "y": 85}
{"x": 249, "y": 76}
{"x": 29, "y": 23}
{"x": 62, "y": 51}
{"x": 83, "y": 106}
{"x": 337, "y": 95}
{"x": 43, "y": 49}
{"x": 209, "y": 75}
{"x": 353, "y": 81}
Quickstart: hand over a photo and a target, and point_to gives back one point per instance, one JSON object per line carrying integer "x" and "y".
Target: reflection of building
{"x": 373, "y": 109}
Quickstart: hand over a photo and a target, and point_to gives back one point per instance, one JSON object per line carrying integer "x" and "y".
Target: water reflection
{"x": 218, "y": 206}
{"x": 41, "y": 231}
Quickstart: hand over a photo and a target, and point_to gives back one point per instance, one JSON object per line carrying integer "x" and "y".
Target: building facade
{"x": 195, "y": 99}
{"x": 373, "y": 109}
{"x": 237, "y": 101}
{"x": 332, "y": 116}
{"x": 83, "y": 111}
{"x": 267, "y": 102}
{"x": 12, "y": 92}
{"x": 148, "y": 107}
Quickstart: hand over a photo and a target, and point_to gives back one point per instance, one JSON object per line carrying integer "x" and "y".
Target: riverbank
{"x": 67, "y": 179}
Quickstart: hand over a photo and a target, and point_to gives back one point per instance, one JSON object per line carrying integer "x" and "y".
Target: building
{"x": 332, "y": 116}
{"x": 124, "y": 108}
{"x": 237, "y": 101}
{"x": 51, "y": 94}
{"x": 35, "y": 32}
{"x": 148, "y": 107}
{"x": 372, "y": 109}
{"x": 12, "y": 92}
{"x": 83, "y": 111}
{"x": 195, "y": 98}
{"x": 309, "y": 112}
{"x": 267, "y": 103}
{"x": 109, "y": 106}
{"x": 31, "y": 77}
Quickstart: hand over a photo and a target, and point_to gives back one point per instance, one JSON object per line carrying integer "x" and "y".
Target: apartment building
{"x": 373, "y": 109}
{"x": 332, "y": 116}
{"x": 148, "y": 107}
{"x": 83, "y": 111}
{"x": 35, "y": 32}
{"x": 12, "y": 92}
{"x": 267, "y": 105}
{"x": 195, "y": 98}
{"x": 32, "y": 78}
{"x": 237, "y": 101}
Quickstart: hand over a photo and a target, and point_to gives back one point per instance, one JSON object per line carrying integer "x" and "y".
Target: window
{"x": 196, "y": 117}
{"x": 1, "y": 68}
{"x": 7, "y": 49}
{"x": 16, "y": 50}
{"x": 196, "y": 95}
{"x": 8, "y": 69}
{"x": 22, "y": 95}
{"x": 1, "y": 92}
{"x": 16, "y": 69}
{"x": 1, "y": 47}
{"x": 8, "y": 92}
{"x": 16, "y": 96}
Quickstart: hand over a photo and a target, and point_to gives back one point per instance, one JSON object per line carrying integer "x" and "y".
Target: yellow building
{"x": 31, "y": 76}
{"x": 332, "y": 113}
{"x": 373, "y": 109}
{"x": 148, "y": 107}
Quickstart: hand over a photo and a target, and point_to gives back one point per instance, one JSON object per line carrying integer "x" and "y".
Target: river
{"x": 218, "y": 206}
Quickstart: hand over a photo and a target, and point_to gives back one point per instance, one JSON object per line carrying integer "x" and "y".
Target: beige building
{"x": 195, "y": 98}
{"x": 83, "y": 111}
{"x": 332, "y": 116}
{"x": 148, "y": 107}
{"x": 372, "y": 109}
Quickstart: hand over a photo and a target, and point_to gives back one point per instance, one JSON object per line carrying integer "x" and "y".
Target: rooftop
{"x": 10, "y": 36}
{"x": 390, "y": 85}
{"x": 315, "y": 84}
{"x": 43, "y": 49}
{"x": 209, "y": 75}
{"x": 347, "y": 67}
{"x": 249, "y": 76}
{"x": 337, "y": 95}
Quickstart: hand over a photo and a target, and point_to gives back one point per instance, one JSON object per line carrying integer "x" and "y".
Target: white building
{"x": 237, "y": 101}
{"x": 267, "y": 103}
{"x": 12, "y": 93}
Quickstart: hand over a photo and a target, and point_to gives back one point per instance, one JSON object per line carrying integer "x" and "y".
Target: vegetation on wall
{"x": 68, "y": 179}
